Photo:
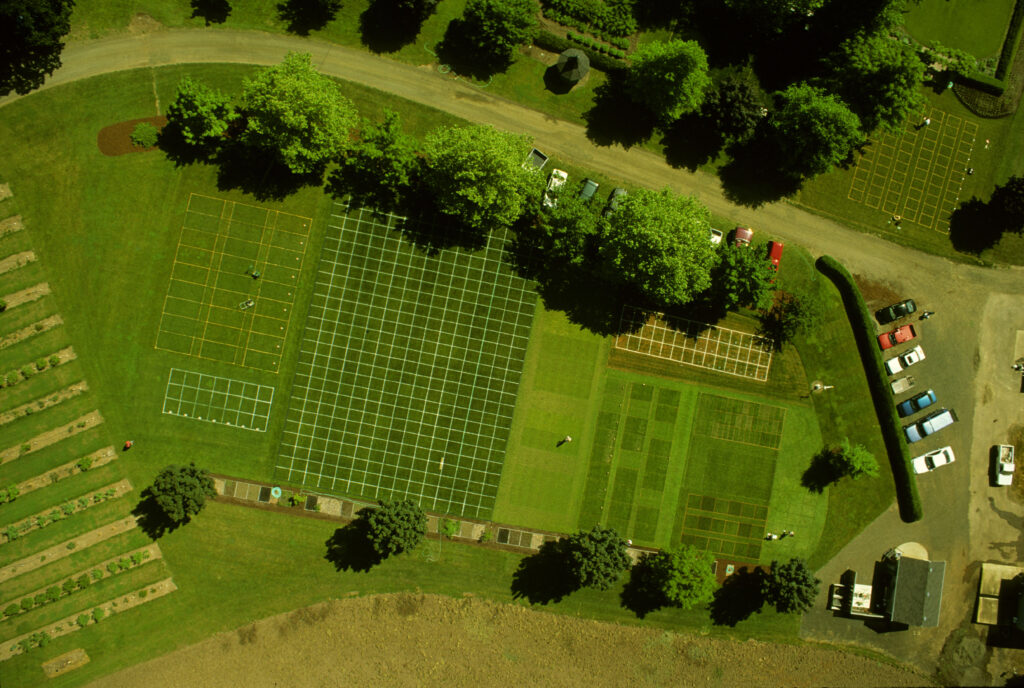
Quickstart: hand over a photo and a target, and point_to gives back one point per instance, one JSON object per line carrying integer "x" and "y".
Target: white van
{"x": 931, "y": 423}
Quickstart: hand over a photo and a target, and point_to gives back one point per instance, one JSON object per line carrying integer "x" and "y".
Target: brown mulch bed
{"x": 117, "y": 138}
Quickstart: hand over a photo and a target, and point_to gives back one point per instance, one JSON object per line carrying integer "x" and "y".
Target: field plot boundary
{"x": 233, "y": 280}
{"x": 188, "y": 393}
{"x": 712, "y": 526}
{"x": 734, "y": 420}
{"x": 724, "y": 350}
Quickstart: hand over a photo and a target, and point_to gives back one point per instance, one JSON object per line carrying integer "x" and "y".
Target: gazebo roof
{"x": 573, "y": 65}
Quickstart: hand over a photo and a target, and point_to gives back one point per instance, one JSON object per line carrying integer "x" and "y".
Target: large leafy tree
{"x": 200, "y": 114}
{"x": 476, "y": 175}
{"x": 657, "y": 243}
{"x": 774, "y": 15}
{"x": 596, "y": 558}
{"x": 743, "y": 277}
{"x": 1008, "y": 203}
{"x": 181, "y": 491}
{"x": 379, "y": 169}
{"x": 680, "y": 577}
{"x": 297, "y": 114}
{"x": 854, "y": 460}
{"x": 790, "y": 314}
{"x": 813, "y": 130}
{"x": 395, "y": 527}
{"x": 735, "y": 105}
{"x": 790, "y": 587}
{"x": 670, "y": 78}
{"x": 31, "y": 35}
{"x": 879, "y": 78}
{"x": 490, "y": 30}
{"x": 564, "y": 234}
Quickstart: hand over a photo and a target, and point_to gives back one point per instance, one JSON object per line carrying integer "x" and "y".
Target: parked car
{"x": 900, "y": 335}
{"x": 741, "y": 236}
{"x": 931, "y": 423}
{"x": 614, "y": 198}
{"x": 716, "y": 236}
{"x": 904, "y": 360}
{"x": 932, "y": 460}
{"x": 915, "y": 404}
{"x": 775, "y": 253}
{"x": 556, "y": 181}
{"x": 1003, "y": 464}
{"x": 896, "y": 311}
{"x": 588, "y": 190}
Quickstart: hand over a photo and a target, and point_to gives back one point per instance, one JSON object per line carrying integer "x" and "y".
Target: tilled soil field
{"x": 429, "y": 640}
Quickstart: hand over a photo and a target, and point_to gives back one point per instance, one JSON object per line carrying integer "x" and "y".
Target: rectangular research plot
{"x": 742, "y": 354}
{"x": 213, "y": 399}
{"x": 233, "y": 283}
{"x": 409, "y": 367}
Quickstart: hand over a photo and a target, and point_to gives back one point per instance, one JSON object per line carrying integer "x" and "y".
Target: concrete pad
{"x": 988, "y": 611}
{"x": 993, "y": 575}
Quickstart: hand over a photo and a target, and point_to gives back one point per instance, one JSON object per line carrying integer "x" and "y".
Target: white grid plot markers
{"x": 742, "y": 354}
{"x": 213, "y": 399}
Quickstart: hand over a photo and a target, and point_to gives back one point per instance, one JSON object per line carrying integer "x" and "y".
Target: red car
{"x": 897, "y": 336}
{"x": 741, "y": 236}
{"x": 775, "y": 253}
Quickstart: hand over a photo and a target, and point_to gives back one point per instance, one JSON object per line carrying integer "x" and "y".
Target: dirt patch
{"x": 5, "y": 192}
{"x": 414, "y": 639}
{"x": 98, "y": 458}
{"x": 39, "y": 327}
{"x": 876, "y": 294}
{"x": 10, "y": 225}
{"x": 143, "y": 23}
{"x": 25, "y": 295}
{"x": 46, "y": 402}
{"x": 117, "y": 138}
{"x": 43, "y": 440}
{"x": 65, "y": 662}
{"x": 66, "y": 548}
{"x": 17, "y": 260}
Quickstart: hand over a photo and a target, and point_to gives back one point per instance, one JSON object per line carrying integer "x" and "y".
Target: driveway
{"x": 969, "y": 343}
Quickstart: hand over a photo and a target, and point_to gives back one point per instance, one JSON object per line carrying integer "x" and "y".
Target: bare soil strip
{"x": 61, "y": 550}
{"x": 117, "y": 605}
{"x": 100, "y": 457}
{"x": 410, "y": 639}
{"x": 10, "y": 225}
{"x": 154, "y": 554}
{"x": 17, "y": 260}
{"x": 5, "y": 191}
{"x": 69, "y": 392}
{"x": 32, "y": 330}
{"x": 33, "y": 293}
{"x": 41, "y": 441}
{"x": 66, "y": 354}
{"x": 65, "y": 662}
{"x": 27, "y": 525}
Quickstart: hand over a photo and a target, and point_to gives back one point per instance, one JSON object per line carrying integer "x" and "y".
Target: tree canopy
{"x": 774, "y": 15}
{"x": 297, "y": 114}
{"x": 396, "y": 527}
{"x": 813, "y": 130}
{"x": 879, "y": 78}
{"x": 31, "y": 40}
{"x": 670, "y": 78}
{"x": 490, "y": 30}
{"x": 743, "y": 277}
{"x": 379, "y": 169}
{"x": 200, "y": 114}
{"x": 790, "y": 587}
{"x": 735, "y": 105}
{"x": 1008, "y": 203}
{"x": 476, "y": 174}
{"x": 596, "y": 558}
{"x": 680, "y": 577}
{"x": 854, "y": 460}
{"x": 790, "y": 314}
{"x": 658, "y": 243}
{"x": 565, "y": 233}
{"x": 181, "y": 491}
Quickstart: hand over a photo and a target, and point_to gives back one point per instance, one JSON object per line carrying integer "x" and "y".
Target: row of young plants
{"x": 74, "y": 584}
{"x": 609, "y": 20}
{"x": 25, "y": 332}
{"x": 11, "y": 492}
{"x": 69, "y": 508}
{"x": 588, "y": 42}
{"x": 30, "y": 370}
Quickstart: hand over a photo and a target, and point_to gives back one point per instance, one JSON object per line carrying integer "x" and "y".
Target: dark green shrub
{"x": 3, "y": 305}
{"x": 11, "y": 379}
{"x": 142, "y": 594}
{"x": 12, "y": 609}
{"x": 123, "y": 564}
{"x": 96, "y": 574}
{"x": 83, "y": 620}
{"x": 40, "y": 599}
{"x": 145, "y": 135}
{"x": 53, "y": 593}
{"x": 67, "y": 508}
{"x": 53, "y": 360}
{"x": 84, "y": 463}
{"x": 97, "y": 614}
{"x": 68, "y": 586}
{"x": 605, "y": 63}
{"x": 878, "y": 381}
{"x": 28, "y": 371}
{"x": 112, "y": 567}
{"x": 27, "y": 604}
{"x": 83, "y": 582}
{"x": 41, "y": 364}
{"x": 137, "y": 558}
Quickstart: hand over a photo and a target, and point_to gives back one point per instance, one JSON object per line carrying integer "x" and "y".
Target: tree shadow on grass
{"x": 349, "y": 548}
{"x": 303, "y": 16}
{"x": 614, "y": 118}
{"x": 213, "y": 11}
{"x": 384, "y": 28}
{"x": 151, "y": 518}
{"x": 458, "y": 51}
{"x": 544, "y": 577}
{"x": 822, "y": 472}
{"x": 179, "y": 151}
{"x": 691, "y": 141}
{"x": 641, "y": 594}
{"x": 738, "y": 598}
{"x": 754, "y": 174}
{"x": 975, "y": 227}
{"x": 258, "y": 172}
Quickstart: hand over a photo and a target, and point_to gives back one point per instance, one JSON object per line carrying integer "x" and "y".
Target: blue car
{"x": 915, "y": 404}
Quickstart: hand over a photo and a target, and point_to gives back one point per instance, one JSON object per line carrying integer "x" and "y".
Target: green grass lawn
{"x": 977, "y": 26}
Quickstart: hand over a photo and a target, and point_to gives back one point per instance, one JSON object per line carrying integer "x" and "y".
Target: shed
{"x": 915, "y": 596}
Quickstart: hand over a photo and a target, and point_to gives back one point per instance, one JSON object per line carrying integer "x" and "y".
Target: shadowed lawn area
{"x": 977, "y": 27}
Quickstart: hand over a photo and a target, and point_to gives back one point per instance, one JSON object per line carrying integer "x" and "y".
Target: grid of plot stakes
{"x": 408, "y": 370}
{"x": 215, "y": 399}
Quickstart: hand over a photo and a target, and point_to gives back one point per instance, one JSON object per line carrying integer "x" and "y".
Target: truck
{"x": 1003, "y": 465}
{"x": 904, "y": 360}
{"x": 931, "y": 423}
{"x": 903, "y": 384}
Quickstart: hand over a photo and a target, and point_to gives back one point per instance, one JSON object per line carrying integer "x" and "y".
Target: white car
{"x": 932, "y": 460}
{"x": 556, "y": 181}
{"x": 716, "y": 236}
{"x": 904, "y": 360}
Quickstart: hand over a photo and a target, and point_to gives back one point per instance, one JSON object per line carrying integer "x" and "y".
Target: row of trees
{"x": 681, "y": 578}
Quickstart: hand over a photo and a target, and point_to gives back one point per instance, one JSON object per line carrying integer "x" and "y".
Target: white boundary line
{"x": 200, "y": 383}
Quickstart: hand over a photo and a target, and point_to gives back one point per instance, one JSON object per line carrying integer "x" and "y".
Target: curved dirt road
{"x": 970, "y": 343}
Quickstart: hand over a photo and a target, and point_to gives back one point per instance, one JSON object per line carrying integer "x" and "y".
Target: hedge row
{"x": 15, "y": 376}
{"x": 593, "y": 44}
{"x": 16, "y": 530}
{"x": 54, "y": 592}
{"x": 613, "y": 18}
{"x": 1012, "y": 42}
{"x": 566, "y": 20}
{"x": 606, "y": 63}
{"x": 878, "y": 381}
